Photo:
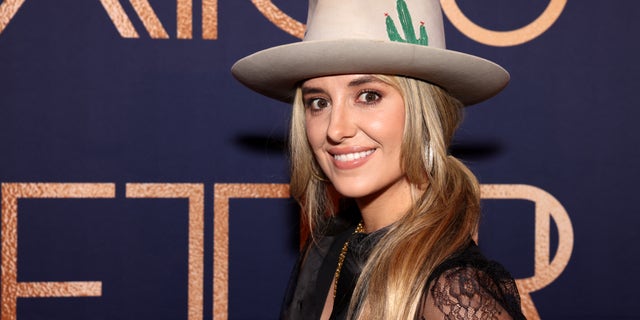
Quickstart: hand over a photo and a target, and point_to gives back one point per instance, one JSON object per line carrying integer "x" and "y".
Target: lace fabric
{"x": 468, "y": 286}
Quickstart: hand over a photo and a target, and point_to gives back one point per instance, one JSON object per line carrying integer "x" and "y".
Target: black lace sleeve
{"x": 468, "y": 286}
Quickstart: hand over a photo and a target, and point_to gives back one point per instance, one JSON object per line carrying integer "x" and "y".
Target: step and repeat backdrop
{"x": 139, "y": 180}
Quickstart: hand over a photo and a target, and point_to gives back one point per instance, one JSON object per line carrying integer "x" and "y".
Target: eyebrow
{"x": 353, "y": 83}
{"x": 363, "y": 80}
{"x": 311, "y": 90}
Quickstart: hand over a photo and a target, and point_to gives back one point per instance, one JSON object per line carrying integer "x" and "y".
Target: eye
{"x": 317, "y": 103}
{"x": 369, "y": 97}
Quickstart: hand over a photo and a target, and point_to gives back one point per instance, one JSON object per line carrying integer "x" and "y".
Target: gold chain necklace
{"x": 343, "y": 254}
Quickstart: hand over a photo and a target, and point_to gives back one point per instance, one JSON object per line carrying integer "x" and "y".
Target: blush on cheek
{"x": 316, "y": 133}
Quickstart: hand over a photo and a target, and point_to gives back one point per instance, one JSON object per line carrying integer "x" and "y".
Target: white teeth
{"x": 352, "y": 156}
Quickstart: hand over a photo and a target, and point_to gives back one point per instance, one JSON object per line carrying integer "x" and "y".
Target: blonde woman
{"x": 391, "y": 214}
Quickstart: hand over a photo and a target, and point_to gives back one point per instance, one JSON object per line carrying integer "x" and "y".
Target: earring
{"x": 429, "y": 155}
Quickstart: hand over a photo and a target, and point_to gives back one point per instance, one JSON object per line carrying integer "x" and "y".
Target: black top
{"x": 466, "y": 276}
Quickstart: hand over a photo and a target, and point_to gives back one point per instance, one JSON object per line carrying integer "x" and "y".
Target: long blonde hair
{"x": 442, "y": 219}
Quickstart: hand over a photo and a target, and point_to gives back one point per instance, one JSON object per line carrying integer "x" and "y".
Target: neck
{"x": 385, "y": 207}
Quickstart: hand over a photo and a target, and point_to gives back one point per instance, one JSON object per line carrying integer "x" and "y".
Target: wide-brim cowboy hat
{"x": 361, "y": 36}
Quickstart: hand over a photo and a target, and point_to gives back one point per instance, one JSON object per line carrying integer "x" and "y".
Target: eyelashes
{"x": 316, "y": 104}
{"x": 367, "y": 97}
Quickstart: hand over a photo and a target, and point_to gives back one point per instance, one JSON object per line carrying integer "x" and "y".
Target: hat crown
{"x": 393, "y": 37}
{"x": 412, "y": 21}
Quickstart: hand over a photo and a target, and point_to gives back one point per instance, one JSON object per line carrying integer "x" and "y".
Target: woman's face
{"x": 355, "y": 125}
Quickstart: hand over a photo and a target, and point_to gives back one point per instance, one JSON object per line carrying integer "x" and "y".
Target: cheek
{"x": 397, "y": 118}
{"x": 315, "y": 135}
{"x": 389, "y": 128}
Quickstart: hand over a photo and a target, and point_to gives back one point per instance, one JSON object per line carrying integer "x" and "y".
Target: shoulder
{"x": 467, "y": 285}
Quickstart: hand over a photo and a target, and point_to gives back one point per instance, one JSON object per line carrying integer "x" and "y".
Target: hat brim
{"x": 275, "y": 72}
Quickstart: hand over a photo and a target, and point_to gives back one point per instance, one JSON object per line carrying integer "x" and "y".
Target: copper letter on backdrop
{"x": 8, "y": 9}
{"x": 222, "y": 193}
{"x": 547, "y": 207}
{"x": 184, "y": 17}
{"x": 210, "y": 19}
{"x": 503, "y": 38}
{"x": 455, "y": 15}
{"x": 11, "y": 288}
{"x": 145, "y": 13}
{"x": 195, "y": 193}
{"x": 279, "y": 18}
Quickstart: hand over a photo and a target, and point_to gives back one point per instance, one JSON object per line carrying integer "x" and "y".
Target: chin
{"x": 352, "y": 191}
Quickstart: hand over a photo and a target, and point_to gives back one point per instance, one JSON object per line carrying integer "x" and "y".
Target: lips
{"x": 350, "y": 158}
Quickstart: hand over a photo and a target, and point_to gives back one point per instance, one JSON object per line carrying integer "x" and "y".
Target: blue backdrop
{"x": 111, "y": 94}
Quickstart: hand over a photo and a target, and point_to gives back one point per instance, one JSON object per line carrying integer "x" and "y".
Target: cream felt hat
{"x": 394, "y": 37}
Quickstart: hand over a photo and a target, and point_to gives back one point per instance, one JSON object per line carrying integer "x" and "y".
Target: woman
{"x": 391, "y": 214}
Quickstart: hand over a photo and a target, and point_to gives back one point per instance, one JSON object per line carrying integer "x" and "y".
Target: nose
{"x": 341, "y": 123}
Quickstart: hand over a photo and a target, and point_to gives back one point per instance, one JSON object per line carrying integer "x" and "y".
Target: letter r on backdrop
{"x": 547, "y": 207}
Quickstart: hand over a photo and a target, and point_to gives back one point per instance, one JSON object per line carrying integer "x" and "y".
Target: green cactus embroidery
{"x": 407, "y": 27}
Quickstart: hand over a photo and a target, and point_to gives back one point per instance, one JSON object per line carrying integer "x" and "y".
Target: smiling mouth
{"x": 352, "y": 156}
